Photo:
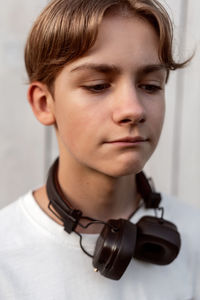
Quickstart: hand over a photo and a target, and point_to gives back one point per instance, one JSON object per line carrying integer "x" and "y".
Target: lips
{"x": 130, "y": 140}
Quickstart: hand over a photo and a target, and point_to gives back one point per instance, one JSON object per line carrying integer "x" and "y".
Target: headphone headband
{"x": 71, "y": 216}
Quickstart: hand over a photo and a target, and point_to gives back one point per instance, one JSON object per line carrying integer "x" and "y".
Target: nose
{"x": 128, "y": 108}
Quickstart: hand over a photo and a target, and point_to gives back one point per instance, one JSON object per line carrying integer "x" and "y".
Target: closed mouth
{"x": 130, "y": 140}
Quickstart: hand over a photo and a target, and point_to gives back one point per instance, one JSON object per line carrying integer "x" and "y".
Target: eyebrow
{"x": 152, "y": 68}
{"x": 101, "y": 68}
{"x": 108, "y": 69}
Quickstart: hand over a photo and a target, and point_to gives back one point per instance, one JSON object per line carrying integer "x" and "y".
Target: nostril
{"x": 126, "y": 117}
{"x": 142, "y": 120}
{"x": 126, "y": 121}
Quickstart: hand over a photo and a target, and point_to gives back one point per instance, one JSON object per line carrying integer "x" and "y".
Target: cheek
{"x": 72, "y": 128}
{"x": 161, "y": 114}
{"x": 157, "y": 119}
{"x": 77, "y": 126}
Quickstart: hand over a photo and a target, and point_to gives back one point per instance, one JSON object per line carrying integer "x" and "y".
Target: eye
{"x": 150, "y": 88}
{"x": 97, "y": 88}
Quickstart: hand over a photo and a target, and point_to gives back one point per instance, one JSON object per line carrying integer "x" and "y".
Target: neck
{"x": 97, "y": 195}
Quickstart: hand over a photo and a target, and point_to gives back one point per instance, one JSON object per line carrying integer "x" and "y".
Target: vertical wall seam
{"x": 178, "y": 116}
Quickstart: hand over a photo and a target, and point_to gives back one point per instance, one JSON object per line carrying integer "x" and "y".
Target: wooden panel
{"x": 160, "y": 166}
{"x": 22, "y": 138}
{"x": 189, "y": 179}
{"x": 175, "y": 166}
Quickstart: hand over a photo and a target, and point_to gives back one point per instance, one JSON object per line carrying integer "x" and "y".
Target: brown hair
{"x": 67, "y": 29}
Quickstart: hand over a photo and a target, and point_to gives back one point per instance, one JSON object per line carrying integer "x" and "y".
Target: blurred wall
{"x": 27, "y": 148}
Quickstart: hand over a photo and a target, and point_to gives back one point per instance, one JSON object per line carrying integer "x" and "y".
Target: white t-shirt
{"x": 39, "y": 260}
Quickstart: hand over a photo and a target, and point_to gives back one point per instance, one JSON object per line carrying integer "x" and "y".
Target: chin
{"x": 131, "y": 163}
{"x": 119, "y": 170}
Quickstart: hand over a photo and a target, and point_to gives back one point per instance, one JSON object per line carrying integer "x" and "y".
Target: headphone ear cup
{"x": 114, "y": 248}
{"x": 158, "y": 241}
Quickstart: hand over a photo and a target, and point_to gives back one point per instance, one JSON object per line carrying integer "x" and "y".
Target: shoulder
{"x": 8, "y": 213}
{"x": 181, "y": 211}
{"x": 185, "y": 216}
{"x": 12, "y": 222}
{"x": 13, "y": 208}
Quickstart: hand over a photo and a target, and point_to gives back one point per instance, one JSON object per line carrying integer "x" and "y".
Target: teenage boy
{"x": 97, "y": 71}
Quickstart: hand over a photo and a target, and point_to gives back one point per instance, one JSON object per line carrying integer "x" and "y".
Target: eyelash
{"x": 100, "y": 88}
{"x": 151, "y": 88}
{"x": 97, "y": 88}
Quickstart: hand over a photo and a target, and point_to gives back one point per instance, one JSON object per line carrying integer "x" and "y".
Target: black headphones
{"x": 151, "y": 239}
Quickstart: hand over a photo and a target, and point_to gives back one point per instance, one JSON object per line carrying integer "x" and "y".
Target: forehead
{"x": 123, "y": 45}
{"x": 123, "y": 40}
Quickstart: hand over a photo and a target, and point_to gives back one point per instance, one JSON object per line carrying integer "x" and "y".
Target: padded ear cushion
{"x": 158, "y": 241}
{"x": 114, "y": 248}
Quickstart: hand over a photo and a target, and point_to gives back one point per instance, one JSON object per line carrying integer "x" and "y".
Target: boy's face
{"x": 109, "y": 104}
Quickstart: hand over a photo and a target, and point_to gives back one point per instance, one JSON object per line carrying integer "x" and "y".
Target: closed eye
{"x": 97, "y": 88}
{"x": 150, "y": 88}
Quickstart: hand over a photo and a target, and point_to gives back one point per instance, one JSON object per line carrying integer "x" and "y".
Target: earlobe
{"x": 41, "y": 102}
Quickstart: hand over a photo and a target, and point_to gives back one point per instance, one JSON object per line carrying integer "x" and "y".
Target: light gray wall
{"x": 175, "y": 165}
{"x": 27, "y": 148}
{"x": 22, "y": 137}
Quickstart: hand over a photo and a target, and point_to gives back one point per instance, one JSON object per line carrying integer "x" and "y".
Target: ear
{"x": 42, "y": 103}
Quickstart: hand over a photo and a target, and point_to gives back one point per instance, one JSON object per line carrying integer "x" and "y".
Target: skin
{"x": 116, "y": 90}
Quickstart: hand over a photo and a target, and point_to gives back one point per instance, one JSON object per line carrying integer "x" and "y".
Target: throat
{"x": 105, "y": 201}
